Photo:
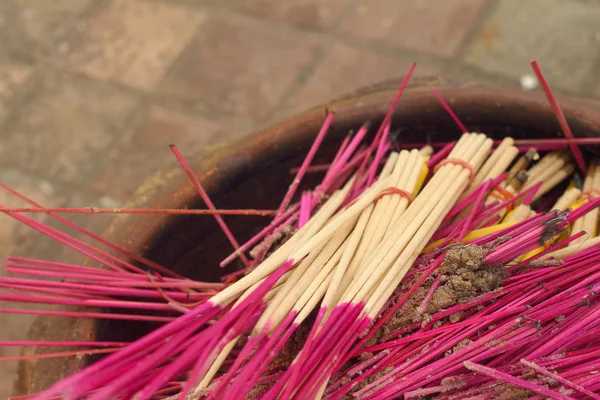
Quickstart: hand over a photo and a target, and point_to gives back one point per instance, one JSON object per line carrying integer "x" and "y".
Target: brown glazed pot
{"x": 253, "y": 172}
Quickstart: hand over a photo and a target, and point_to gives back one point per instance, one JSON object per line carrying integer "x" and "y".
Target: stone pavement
{"x": 92, "y": 91}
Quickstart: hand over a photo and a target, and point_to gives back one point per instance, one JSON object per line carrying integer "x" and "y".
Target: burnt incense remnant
{"x": 466, "y": 269}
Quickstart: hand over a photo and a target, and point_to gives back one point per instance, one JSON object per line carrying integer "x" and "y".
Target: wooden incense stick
{"x": 522, "y": 164}
{"x": 567, "y": 199}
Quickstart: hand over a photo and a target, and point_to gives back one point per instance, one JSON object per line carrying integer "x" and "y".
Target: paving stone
{"x": 346, "y": 68}
{"x": 148, "y": 150}
{"x": 428, "y": 26}
{"x": 562, "y": 35}
{"x": 310, "y": 13}
{"x": 13, "y": 78}
{"x": 34, "y": 28}
{"x": 67, "y": 130}
{"x": 134, "y": 42}
{"x": 240, "y": 66}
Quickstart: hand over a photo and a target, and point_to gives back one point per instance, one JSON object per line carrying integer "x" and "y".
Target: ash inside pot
{"x": 464, "y": 277}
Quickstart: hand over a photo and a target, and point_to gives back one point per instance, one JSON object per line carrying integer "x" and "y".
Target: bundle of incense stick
{"x": 470, "y": 272}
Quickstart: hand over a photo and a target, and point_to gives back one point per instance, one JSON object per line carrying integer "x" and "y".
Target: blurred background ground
{"x": 93, "y": 91}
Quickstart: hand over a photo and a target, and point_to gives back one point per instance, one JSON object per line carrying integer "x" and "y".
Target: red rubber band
{"x": 590, "y": 194}
{"x": 498, "y": 196}
{"x": 503, "y": 195}
{"x": 506, "y": 193}
{"x": 395, "y": 190}
{"x": 457, "y": 161}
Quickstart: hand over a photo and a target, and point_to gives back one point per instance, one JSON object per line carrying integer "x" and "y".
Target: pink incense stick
{"x": 170, "y": 211}
{"x": 309, "y": 157}
{"x": 378, "y": 155}
{"x": 63, "y": 343}
{"x": 305, "y": 202}
{"x": 454, "y": 117}
{"x": 266, "y": 244}
{"x": 57, "y": 266}
{"x": 562, "y": 120}
{"x": 103, "y": 289}
{"x": 78, "y": 314}
{"x": 60, "y": 354}
{"x": 111, "y": 384}
{"x": 134, "y": 305}
{"x": 56, "y": 273}
{"x": 204, "y": 196}
{"x": 52, "y": 291}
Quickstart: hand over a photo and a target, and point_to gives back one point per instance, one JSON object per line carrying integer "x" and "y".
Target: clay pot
{"x": 253, "y": 172}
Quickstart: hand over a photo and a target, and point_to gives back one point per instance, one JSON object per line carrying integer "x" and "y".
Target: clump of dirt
{"x": 464, "y": 277}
